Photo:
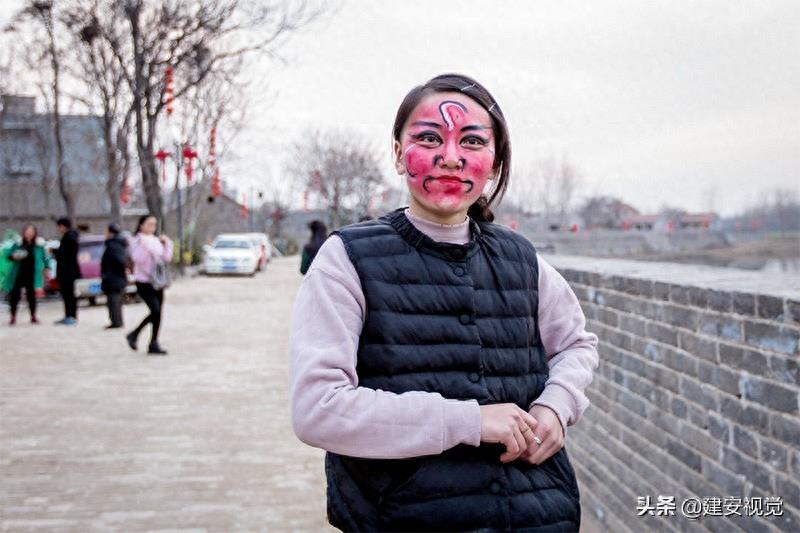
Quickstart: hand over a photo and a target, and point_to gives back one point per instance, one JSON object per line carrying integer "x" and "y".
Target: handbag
{"x": 160, "y": 275}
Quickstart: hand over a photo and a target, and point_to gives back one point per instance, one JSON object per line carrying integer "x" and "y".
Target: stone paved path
{"x": 95, "y": 437}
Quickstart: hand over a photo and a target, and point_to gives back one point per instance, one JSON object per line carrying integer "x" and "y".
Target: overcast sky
{"x": 655, "y": 102}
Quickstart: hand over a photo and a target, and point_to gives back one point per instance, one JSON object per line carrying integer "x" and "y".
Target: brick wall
{"x": 696, "y": 394}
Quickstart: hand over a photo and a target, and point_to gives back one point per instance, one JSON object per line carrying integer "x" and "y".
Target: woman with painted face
{"x": 434, "y": 355}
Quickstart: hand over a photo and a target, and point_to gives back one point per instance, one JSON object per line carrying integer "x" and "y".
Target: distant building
{"x": 28, "y": 185}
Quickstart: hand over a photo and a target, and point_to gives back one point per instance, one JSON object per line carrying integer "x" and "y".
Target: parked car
{"x": 265, "y": 248}
{"x": 232, "y": 253}
{"x": 90, "y": 251}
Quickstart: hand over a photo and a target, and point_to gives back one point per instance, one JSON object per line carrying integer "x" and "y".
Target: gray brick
{"x": 770, "y": 307}
{"x": 700, "y": 440}
{"x": 781, "y": 339}
{"x": 746, "y": 415}
{"x": 698, "y": 346}
{"x": 661, "y": 290}
{"x": 752, "y": 470}
{"x": 720, "y": 377}
{"x": 644, "y": 287}
{"x": 682, "y": 317}
{"x": 723, "y": 326}
{"x": 774, "y": 454}
{"x": 742, "y": 358}
{"x": 679, "y": 361}
{"x": 731, "y": 483}
{"x": 745, "y": 441}
{"x": 784, "y": 369}
{"x": 769, "y": 394}
{"x": 744, "y": 303}
{"x": 607, "y": 316}
{"x": 698, "y": 297}
{"x": 679, "y": 294}
{"x": 720, "y": 301}
{"x": 662, "y": 333}
{"x": 794, "y": 461}
{"x": 788, "y": 489}
{"x": 719, "y": 428}
{"x": 633, "y": 402}
{"x": 684, "y": 454}
{"x": 678, "y": 407}
{"x": 632, "y": 324}
{"x": 785, "y": 428}
{"x": 793, "y": 312}
{"x": 698, "y": 393}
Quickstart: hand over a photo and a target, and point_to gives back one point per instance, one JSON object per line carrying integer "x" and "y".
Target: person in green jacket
{"x": 319, "y": 232}
{"x": 28, "y": 263}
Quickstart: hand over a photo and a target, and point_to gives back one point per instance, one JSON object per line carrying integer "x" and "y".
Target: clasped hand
{"x": 518, "y": 430}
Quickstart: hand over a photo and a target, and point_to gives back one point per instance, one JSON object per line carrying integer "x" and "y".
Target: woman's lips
{"x": 447, "y": 181}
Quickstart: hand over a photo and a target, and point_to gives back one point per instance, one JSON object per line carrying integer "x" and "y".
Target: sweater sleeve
{"x": 329, "y": 409}
{"x": 571, "y": 350}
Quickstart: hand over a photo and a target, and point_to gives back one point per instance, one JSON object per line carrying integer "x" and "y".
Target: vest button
{"x": 474, "y": 377}
{"x": 494, "y": 487}
{"x": 458, "y": 271}
{"x": 464, "y": 319}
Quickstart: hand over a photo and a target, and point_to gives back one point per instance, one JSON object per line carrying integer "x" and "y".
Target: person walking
{"x": 319, "y": 232}
{"x": 28, "y": 265}
{"x": 67, "y": 270}
{"x": 146, "y": 250}
{"x": 434, "y": 355}
{"x": 113, "y": 272}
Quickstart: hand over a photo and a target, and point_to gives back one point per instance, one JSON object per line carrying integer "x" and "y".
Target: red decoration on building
{"x": 305, "y": 200}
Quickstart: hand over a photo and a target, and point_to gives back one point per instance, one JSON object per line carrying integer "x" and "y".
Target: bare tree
{"x": 341, "y": 169}
{"x": 548, "y": 185}
{"x": 195, "y": 38}
{"x": 42, "y": 17}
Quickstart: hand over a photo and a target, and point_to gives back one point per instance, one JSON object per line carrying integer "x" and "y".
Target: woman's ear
{"x": 399, "y": 165}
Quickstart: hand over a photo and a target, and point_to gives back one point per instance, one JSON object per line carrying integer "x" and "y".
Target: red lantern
{"x": 169, "y": 90}
{"x": 188, "y": 155}
{"x": 125, "y": 193}
{"x": 162, "y": 156}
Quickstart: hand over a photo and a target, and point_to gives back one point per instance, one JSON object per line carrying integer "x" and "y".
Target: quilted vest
{"x": 460, "y": 320}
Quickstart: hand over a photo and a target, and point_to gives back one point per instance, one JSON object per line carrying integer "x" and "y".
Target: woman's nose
{"x": 450, "y": 158}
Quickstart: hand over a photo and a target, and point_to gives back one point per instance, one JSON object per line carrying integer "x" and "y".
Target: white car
{"x": 232, "y": 254}
{"x": 265, "y": 248}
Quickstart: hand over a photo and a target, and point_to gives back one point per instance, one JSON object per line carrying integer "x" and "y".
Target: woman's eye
{"x": 474, "y": 141}
{"x": 427, "y": 138}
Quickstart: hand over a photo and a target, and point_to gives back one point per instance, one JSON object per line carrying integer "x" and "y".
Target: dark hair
{"x": 64, "y": 221}
{"x": 319, "y": 233}
{"x": 481, "y": 209}
{"x": 35, "y": 232}
{"x": 141, "y": 221}
{"x": 114, "y": 228}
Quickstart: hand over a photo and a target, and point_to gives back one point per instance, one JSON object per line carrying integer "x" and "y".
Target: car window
{"x": 232, "y": 244}
{"x": 88, "y": 252}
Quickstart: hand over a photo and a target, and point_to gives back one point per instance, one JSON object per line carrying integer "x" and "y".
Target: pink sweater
{"x": 329, "y": 410}
{"x": 144, "y": 249}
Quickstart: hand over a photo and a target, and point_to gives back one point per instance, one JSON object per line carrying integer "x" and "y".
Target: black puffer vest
{"x": 460, "y": 320}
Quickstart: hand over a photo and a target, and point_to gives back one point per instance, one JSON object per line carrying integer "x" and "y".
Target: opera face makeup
{"x": 448, "y": 151}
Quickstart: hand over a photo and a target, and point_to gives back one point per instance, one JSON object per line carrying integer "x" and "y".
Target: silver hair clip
{"x": 468, "y": 86}
{"x": 492, "y": 106}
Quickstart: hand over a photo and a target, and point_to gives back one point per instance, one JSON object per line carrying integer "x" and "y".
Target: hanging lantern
{"x": 188, "y": 156}
{"x": 125, "y": 192}
{"x": 162, "y": 156}
{"x": 169, "y": 90}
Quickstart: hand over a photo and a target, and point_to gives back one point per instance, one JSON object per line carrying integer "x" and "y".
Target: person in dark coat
{"x": 113, "y": 273}
{"x": 67, "y": 270}
{"x": 319, "y": 232}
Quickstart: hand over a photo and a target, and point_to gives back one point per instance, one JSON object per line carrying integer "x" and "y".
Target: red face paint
{"x": 448, "y": 150}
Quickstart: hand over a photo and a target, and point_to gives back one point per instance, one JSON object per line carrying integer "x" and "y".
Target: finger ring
{"x": 537, "y": 440}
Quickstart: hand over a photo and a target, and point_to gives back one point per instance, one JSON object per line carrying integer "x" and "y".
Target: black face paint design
{"x": 438, "y": 157}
